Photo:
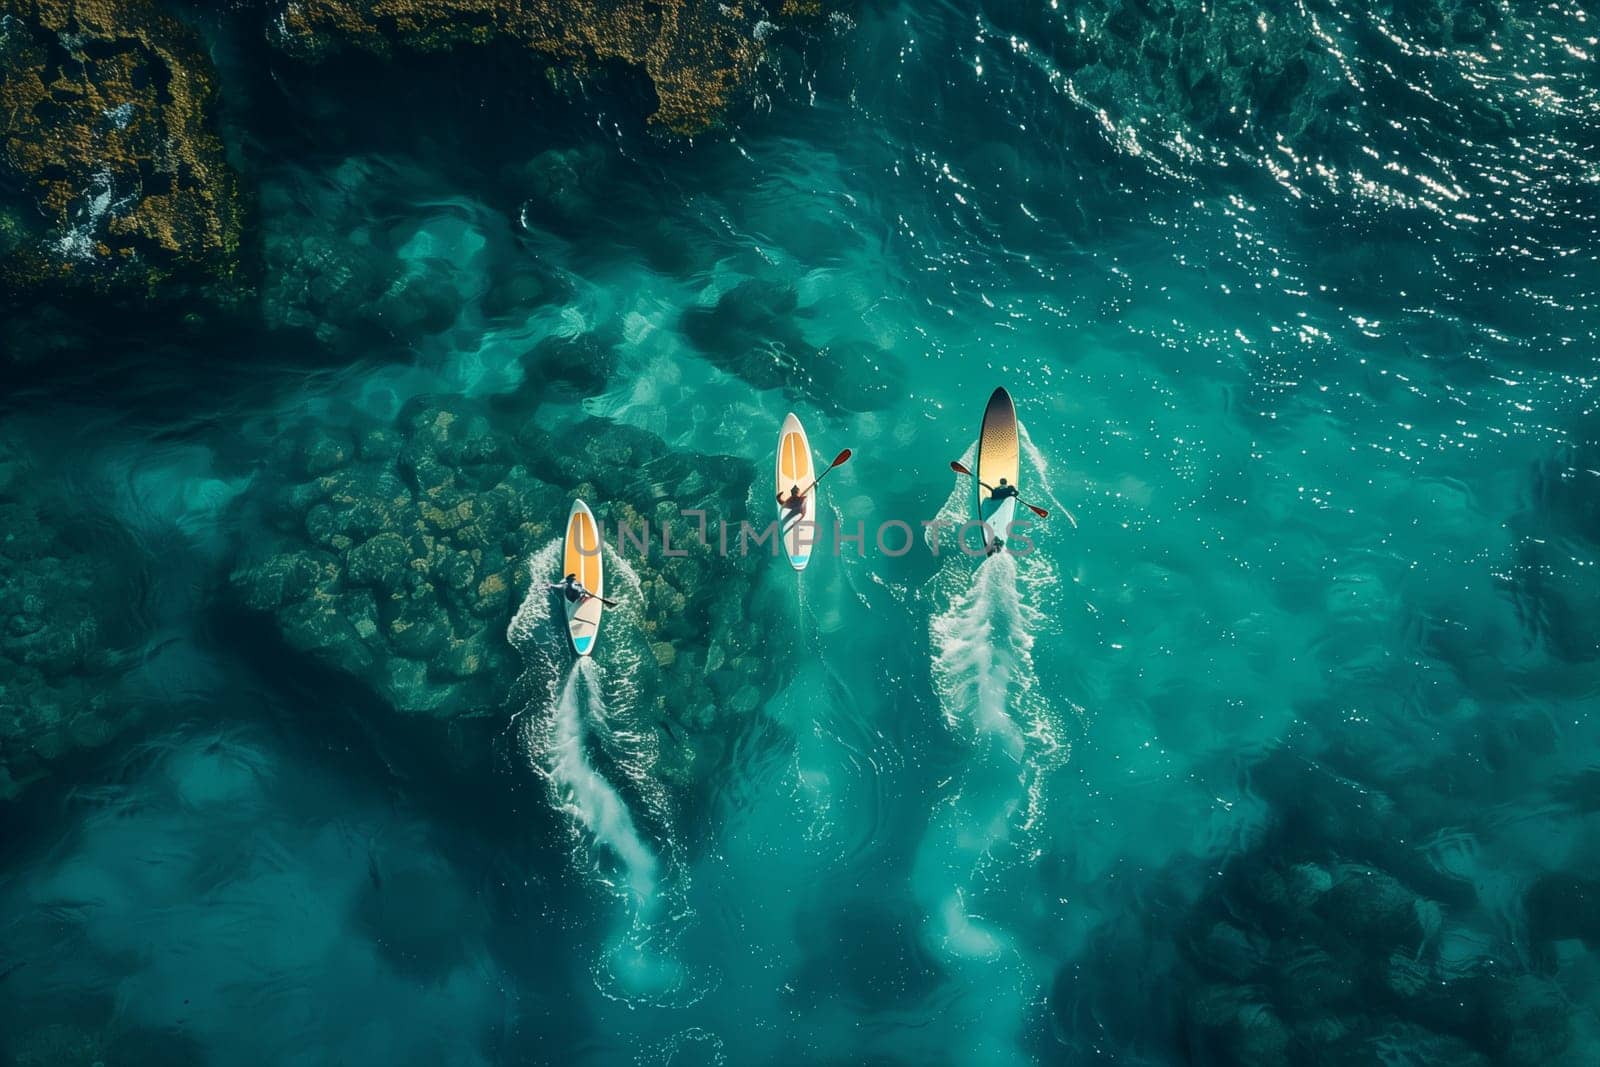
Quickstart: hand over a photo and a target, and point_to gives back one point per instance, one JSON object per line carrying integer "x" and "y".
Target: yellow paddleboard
{"x": 582, "y": 557}
{"x": 795, "y": 468}
{"x": 999, "y": 456}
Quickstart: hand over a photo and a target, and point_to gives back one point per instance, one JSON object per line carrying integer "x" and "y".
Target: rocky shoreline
{"x": 119, "y": 178}
{"x": 110, "y": 133}
{"x": 694, "y": 53}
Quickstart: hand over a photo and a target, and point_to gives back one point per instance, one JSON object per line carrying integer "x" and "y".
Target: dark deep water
{"x": 1285, "y": 753}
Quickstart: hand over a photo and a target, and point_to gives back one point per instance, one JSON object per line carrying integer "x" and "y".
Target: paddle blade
{"x": 841, "y": 459}
{"x": 1041, "y": 512}
{"x": 956, "y": 466}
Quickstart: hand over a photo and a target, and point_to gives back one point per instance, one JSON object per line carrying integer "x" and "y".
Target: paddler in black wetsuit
{"x": 795, "y": 505}
{"x": 997, "y": 495}
{"x": 573, "y": 590}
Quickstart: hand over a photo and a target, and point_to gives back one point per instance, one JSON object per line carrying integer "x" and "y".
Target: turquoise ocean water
{"x": 1283, "y": 751}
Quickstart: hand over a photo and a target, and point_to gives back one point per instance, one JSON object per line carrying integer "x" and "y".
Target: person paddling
{"x": 795, "y": 506}
{"x": 573, "y": 590}
{"x": 997, "y": 495}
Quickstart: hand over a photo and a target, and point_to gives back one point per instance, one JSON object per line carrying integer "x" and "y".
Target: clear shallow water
{"x": 1285, "y": 751}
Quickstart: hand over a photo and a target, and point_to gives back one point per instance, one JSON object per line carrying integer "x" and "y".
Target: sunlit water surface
{"x": 1298, "y": 306}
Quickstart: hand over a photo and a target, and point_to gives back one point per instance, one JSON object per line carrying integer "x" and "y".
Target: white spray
{"x": 585, "y": 794}
{"x": 991, "y": 698}
{"x": 569, "y": 710}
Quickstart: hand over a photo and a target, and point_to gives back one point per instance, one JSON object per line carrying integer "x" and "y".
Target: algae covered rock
{"x": 695, "y": 53}
{"x": 108, "y": 137}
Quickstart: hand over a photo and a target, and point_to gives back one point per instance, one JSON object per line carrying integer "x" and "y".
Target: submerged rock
{"x": 1563, "y": 906}
{"x": 750, "y": 331}
{"x": 331, "y": 272}
{"x": 1214, "y": 66}
{"x": 356, "y": 258}
{"x": 57, "y": 1045}
{"x": 109, "y": 135}
{"x": 398, "y": 554}
{"x": 560, "y": 186}
{"x": 1236, "y": 1025}
{"x": 1327, "y": 943}
{"x": 1531, "y": 1021}
{"x": 1370, "y": 904}
{"x": 580, "y": 364}
{"x": 70, "y": 590}
{"x": 695, "y": 53}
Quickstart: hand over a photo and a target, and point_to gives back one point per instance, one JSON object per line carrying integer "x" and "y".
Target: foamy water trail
{"x": 555, "y": 742}
{"x": 990, "y": 696}
{"x": 983, "y": 676}
{"x": 586, "y": 795}
{"x": 983, "y": 660}
{"x": 631, "y": 745}
{"x": 578, "y": 713}
{"x": 530, "y": 632}
{"x": 810, "y": 768}
{"x": 983, "y": 641}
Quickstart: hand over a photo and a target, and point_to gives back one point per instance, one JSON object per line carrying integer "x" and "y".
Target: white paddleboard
{"x": 795, "y": 468}
{"x": 582, "y": 557}
{"x": 999, "y": 456}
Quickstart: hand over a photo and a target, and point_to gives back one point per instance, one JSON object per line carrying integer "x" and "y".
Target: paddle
{"x": 956, "y": 466}
{"x": 838, "y": 461}
{"x": 586, "y": 595}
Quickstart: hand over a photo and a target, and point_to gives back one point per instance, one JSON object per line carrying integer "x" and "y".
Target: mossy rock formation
{"x": 695, "y": 52}
{"x": 109, "y": 135}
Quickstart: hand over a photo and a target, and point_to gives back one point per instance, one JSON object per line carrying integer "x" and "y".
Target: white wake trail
{"x": 586, "y": 795}
{"x": 573, "y": 713}
{"x": 980, "y": 834}
{"x": 983, "y": 654}
{"x": 556, "y": 743}
{"x": 990, "y": 696}
{"x": 983, "y": 675}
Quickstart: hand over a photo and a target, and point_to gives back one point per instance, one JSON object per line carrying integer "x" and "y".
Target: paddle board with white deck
{"x": 794, "y": 468}
{"x": 999, "y": 456}
{"x": 582, "y": 557}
